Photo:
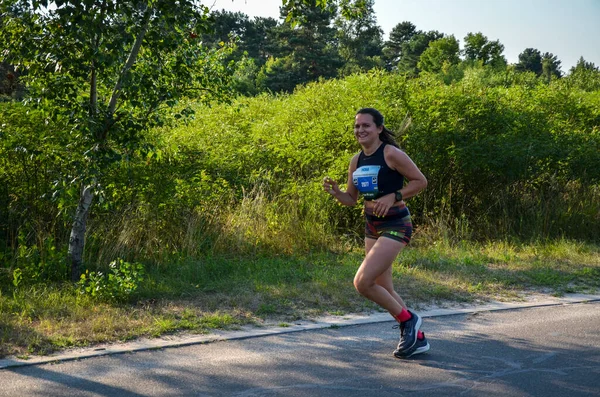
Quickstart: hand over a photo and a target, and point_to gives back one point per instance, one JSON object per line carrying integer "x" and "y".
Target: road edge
{"x": 299, "y": 326}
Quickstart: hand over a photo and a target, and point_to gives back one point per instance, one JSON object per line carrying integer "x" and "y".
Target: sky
{"x": 568, "y": 29}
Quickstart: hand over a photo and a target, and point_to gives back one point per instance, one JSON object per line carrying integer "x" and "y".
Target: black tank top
{"x": 373, "y": 178}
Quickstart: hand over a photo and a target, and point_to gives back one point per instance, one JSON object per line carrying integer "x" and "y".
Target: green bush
{"x": 119, "y": 284}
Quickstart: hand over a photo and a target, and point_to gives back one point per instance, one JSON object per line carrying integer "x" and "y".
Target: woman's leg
{"x": 375, "y": 283}
{"x": 378, "y": 260}
{"x": 385, "y": 279}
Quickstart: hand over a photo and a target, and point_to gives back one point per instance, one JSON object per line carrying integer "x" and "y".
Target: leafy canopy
{"x": 109, "y": 69}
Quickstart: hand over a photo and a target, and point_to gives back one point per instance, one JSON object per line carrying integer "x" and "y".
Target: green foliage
{"x": 530, "y": 60}
{"x": 440, "y": 54}
{"x": 582, "y": 64}
{"x": 35, "y": 196}
{"x": 550, "y": 66}
{"x": 119, "y": 284}
{"x": 392, "y": 49}
{"x": 244, "y": 77}
{"x": 39, "y": 262}
{"x": 9, "y": 83}
{"x": 512, "y": 152}
{"x": 584, "y": 76}
{"x": 107, "y": 72}
{"x": 303, "y": 53}
{"x": 17, "y": 277}
{"x": 505, "y": 155}
{"x": 413, "y": 48}
{"x": 279, "y": 75}
{"x": 488, "y": 144}
{"x": 304, "y": 47}
{"x": 479, "y": 48}
{"x": 360, "y": 41}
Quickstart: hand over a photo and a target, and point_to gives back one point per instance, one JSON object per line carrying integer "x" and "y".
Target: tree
{"x": 360, "y": 40}
{"x": 413, "y": 48}
{"x": 400, "y": 34}
{"x": 295, "y": 9}
{"x": 257, "y": 41}
{"x": 306, "y": 50}
{"x": 530, "y": 60}
{"x": 225, "y": 26}
{"x": 251, "y": 37}
{"x": 582, "y": 65}
{"x": 108, "y": 69}
{"x": 550, "y": 66}
{"x": 440, "y": 52}
{"x": 279, "y": 75}
{"x": 479, "y": 48}
{"x": 584, "y": 75}
{"x": 251, "y": 41}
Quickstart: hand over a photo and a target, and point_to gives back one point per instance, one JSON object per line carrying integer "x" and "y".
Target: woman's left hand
{"x": 330, "y": 186}
{"x": 383, "y": 204}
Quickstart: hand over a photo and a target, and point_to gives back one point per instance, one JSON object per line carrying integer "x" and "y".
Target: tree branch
{"x": 93, "y": 77}
{"x": 112, "y": 105}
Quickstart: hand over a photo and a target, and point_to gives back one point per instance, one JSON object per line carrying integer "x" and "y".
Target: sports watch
{"x": 398, "y": 195}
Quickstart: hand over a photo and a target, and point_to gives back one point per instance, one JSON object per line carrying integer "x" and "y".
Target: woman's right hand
{"x": 330, "y": 186}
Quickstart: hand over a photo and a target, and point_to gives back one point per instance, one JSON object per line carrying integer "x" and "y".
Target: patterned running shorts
{"x": 396, "y": 225}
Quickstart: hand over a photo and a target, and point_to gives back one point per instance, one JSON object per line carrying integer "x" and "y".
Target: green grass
{"x": 226, "y": 293}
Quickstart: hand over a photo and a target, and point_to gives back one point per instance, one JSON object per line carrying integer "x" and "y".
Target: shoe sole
{"x": 418, "y": 350}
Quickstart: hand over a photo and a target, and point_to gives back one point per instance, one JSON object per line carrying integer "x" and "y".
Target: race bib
{"x": 365, "y": 180}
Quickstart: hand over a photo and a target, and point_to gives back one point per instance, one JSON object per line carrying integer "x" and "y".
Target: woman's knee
{"x": 362, "y": 284}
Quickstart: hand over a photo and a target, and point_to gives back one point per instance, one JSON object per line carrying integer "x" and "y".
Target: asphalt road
{"x": 540, "y": 351}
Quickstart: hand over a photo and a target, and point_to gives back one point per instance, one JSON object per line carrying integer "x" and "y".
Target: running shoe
{"x": 408, "y": 332}
{"x": 421, "y": 346}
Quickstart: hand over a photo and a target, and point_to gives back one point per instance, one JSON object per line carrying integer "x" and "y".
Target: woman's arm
{"x": 399, "y": 161}
{"x": 350, "y": 196}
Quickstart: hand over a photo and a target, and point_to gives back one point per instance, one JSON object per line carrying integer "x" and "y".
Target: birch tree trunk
{"x": 77, "y": 238}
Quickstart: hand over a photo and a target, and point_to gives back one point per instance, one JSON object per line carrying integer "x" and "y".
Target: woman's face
{"x": 365, "y": 130}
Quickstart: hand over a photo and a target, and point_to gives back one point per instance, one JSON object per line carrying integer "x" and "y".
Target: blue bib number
{"x": 365, "y": 180}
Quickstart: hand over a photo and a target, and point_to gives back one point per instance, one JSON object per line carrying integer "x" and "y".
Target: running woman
{"x": 378, "y": 173}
